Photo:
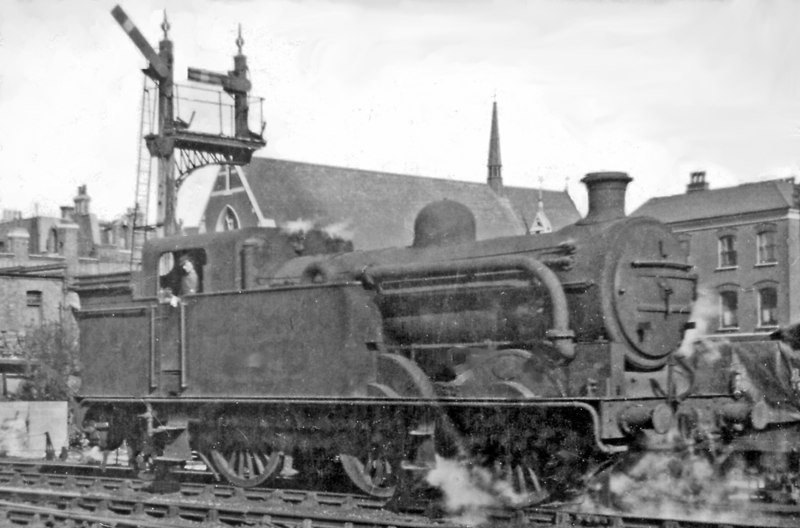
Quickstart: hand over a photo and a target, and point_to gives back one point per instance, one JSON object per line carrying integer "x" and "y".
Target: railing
{"x": 211, "y": 110}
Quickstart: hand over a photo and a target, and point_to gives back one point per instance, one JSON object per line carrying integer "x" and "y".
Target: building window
{"x": 221, "y": 183}
{"x": 766, "y": 247}
{"x": 685, "y": 245}
{"x": 767, "y": 307}
{"x": 52, "y": 241}
{"x": 228, "y": 220}
{"x": 234, "y": 182}
{"x": 33, "y": 302}
{"x": 729, "y": 307}
{"x": 33, "y": 298}
{"x": 727, "y": 251}
{"x": 227, "y": 180}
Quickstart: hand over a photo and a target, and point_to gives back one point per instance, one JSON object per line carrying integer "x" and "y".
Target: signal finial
{"x": 240, "y": 40}
{"x": 165, "y": 25}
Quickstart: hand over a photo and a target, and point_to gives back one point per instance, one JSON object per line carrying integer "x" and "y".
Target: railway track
{"x": 33, "y": 493}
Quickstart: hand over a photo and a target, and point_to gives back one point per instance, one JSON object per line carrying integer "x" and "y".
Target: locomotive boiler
{"x": 537, "y": 357}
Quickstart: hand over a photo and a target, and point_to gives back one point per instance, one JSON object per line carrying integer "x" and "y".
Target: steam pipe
{"x": 562, "y": 336}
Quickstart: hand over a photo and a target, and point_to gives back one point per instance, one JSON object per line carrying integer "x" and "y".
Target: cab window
{"x": 181, "y": 272}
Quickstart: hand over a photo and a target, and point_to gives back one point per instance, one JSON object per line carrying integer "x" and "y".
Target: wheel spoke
{"x": 370, "y": 479}
{"x": 250, "y": 464}
{"x": 259, "y": 464}
{"x": 523, "y": 487}
{"x": 537, "y": 487}
{"x": 523, "y": 480}
{"x": 245, "y": 467}
{"x": 240, "y": 469}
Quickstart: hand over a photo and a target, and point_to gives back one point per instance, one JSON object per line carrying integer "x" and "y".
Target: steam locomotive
{"x": 536, "y": 357}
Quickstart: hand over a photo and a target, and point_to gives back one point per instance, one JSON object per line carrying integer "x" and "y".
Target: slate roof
{"x": 558, "y": 205}
{"x": 727, "y": 201}
{"x": 379, "y": 208}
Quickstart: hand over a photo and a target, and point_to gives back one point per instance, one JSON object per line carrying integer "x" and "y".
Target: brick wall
{"x": 27, "y": 302}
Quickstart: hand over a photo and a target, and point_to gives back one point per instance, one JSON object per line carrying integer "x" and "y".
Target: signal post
{"x": 173, "y": 144}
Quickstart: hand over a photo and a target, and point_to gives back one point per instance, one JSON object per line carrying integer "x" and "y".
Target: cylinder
{"x": 635, "y": 418}
{"x": 742, "y": 412}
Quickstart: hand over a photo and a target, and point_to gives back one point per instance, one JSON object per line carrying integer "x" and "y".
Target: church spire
{"x": 540, "y": 224}
{"x": 495, "y": 174}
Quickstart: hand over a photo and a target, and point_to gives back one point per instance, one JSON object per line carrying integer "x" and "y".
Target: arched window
{"x": 228, "y": 219}
{"x": 729, "y": 309}
{"x": 767, "y": 306}
{"x": 52, "y": 241}
{"x": 727, "y": 251}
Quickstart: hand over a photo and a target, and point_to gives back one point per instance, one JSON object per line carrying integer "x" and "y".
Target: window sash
{"x": 767, "y": 307}
{"x": 727, "y": 252}
{"x": 33, "y": 298}
{"x": 766, "y": 247}
{"x": 728, "y": 310}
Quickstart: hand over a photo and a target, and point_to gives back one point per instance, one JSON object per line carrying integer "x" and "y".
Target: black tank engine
{"x": 536, "y": 356}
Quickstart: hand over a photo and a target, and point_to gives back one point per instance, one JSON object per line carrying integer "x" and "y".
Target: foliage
{"x": 52, "y": 349}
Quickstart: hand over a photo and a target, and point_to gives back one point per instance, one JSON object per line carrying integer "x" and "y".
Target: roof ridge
{"x": 399, "y": 174}
{"x": 772, "y": 182}
{"x": 356, "y": 169}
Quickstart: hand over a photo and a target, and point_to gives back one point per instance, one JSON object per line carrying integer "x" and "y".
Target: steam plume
{"x": 705, "y": 314}
{"x": 469, "y": 490}
{"x": 340, "y": 230}
{"x": 465, "y": 493}
{"x": 297, "y": 226}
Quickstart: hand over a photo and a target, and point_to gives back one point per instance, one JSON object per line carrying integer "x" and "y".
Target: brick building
{"x": 744, "y": 242}
{"x": 39, "y": 255}
{"x": 375, "y": 209}
{"x": 76, "y": 239}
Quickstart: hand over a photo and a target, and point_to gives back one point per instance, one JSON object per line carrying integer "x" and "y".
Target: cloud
{"x": 644, "y": 87}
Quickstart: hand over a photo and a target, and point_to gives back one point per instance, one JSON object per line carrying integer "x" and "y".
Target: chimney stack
{"x": 697, "y": 182}
{"x": 606, "y": 196}
{"x": 18, "y": 243}
{"x": 82, "y": 201}
{"x": 67, "y": 212}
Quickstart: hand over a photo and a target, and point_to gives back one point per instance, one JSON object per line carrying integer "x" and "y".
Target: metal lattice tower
{"x": 144, "y": 170}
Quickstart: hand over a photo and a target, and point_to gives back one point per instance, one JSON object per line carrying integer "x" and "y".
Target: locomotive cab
{"x": 226, "y": 261}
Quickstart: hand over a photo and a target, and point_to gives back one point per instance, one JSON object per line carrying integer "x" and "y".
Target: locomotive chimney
{"x": 606, "y": 196}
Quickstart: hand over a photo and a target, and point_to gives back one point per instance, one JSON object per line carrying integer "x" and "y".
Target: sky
{"x": 654, "y": 88}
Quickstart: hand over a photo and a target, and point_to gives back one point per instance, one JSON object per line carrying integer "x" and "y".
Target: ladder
{"x": 144, "y": 163}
